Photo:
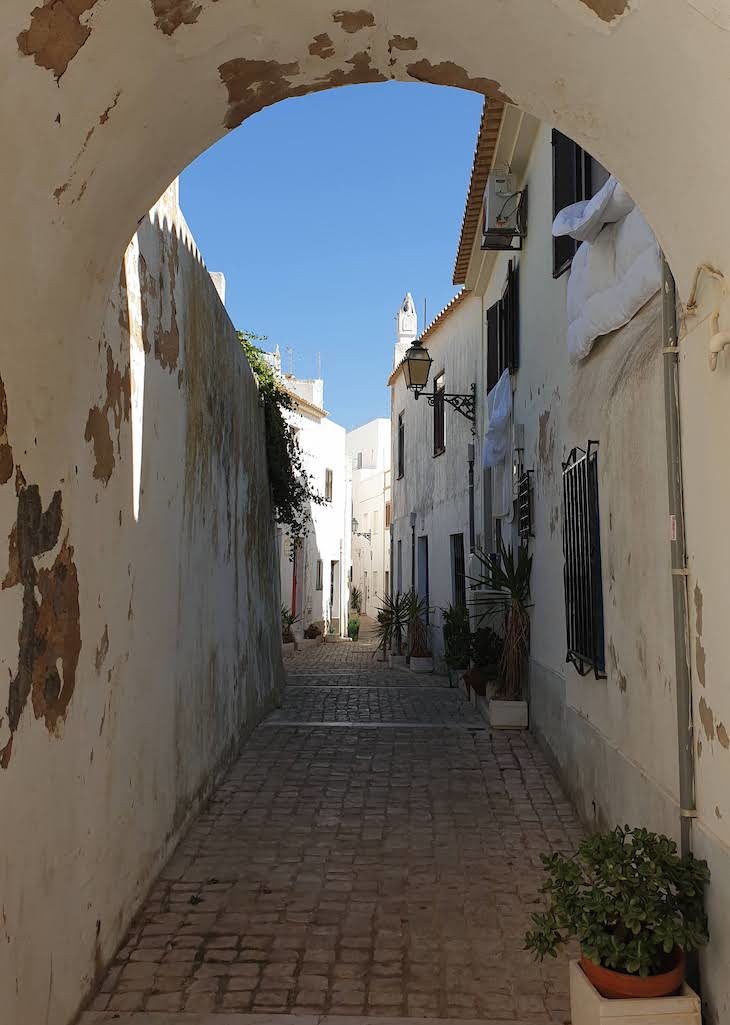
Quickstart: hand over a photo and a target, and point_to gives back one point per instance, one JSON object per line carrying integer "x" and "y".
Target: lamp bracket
{"x": 466, "y": 404}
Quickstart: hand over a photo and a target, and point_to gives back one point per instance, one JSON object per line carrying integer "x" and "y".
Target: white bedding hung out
{"x": 616, "y": 269}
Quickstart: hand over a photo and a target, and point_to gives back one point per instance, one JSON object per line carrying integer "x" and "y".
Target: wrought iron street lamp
{"x": 417, "y": 367}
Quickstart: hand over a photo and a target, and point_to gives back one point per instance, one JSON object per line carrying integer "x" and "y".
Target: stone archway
{"x": 102, "y": 103}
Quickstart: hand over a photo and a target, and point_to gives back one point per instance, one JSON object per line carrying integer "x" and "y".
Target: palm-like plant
{"x": 416, "y": 613}
{"x": 506, "y": 594}
{"x": 393, "y": 618}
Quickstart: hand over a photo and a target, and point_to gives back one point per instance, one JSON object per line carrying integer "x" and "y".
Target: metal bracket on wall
{"x": 466, "y": 404}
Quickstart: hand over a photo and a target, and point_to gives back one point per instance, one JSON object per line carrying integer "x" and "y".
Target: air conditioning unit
{"x": 504, "y": 212}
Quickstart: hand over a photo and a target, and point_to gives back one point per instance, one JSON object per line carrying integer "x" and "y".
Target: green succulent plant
{"x": 627, "y": 897}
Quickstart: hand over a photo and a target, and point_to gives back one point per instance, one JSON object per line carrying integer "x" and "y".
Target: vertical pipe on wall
{"x": 471, "y": 498}
{"x": 678, "y": 549}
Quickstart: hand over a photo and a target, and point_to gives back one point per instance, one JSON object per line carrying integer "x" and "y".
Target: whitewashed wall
{"x": 436, "y": 488}
{"x": 370, "y": 492}
{"x": 322, "y": 443}
{"x": 156, "y": 645}
{"x": 615, "y": 740}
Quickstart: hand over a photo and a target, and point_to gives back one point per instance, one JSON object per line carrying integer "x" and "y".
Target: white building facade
{"x": 603, "y": 700}
{"x": 314, "y": 573}
{"x": 368, "y": 457}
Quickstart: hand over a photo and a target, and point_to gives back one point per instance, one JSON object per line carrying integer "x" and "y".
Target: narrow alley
{"x": 374, "y": 850}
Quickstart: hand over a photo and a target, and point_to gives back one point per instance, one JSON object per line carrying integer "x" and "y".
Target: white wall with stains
{"x": 139, "y": 637}
{"x": 614, "y": 740}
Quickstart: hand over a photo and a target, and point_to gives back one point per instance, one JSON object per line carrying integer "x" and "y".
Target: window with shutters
{"x": 388, "y": 515}
{"x": 572, "y": 182}
{"x": 439, "y": 443}
{"x": 401, "y": 445}
{"x": 503, "y": 330}
{"x": 328, "y": 485}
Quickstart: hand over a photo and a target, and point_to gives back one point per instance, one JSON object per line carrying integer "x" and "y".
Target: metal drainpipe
{"x": 678, "y": 549}
{"x": 470, "y": 454}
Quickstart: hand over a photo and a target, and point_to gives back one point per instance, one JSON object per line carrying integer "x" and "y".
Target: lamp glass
{"x": 417, "y": 367}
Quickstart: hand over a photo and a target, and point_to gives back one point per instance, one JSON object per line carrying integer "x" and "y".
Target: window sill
{"x": 559, "y": 271}
{"x": 439, "y": 452}
{"x": 400, "y": 476}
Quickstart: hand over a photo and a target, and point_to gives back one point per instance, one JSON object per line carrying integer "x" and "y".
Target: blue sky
{"x": 323, "y": 211}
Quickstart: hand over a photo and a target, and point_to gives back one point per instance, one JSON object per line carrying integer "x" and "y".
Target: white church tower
{"x": 406, "y": 328}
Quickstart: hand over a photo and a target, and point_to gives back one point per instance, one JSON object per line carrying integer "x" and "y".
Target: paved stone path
{"x": 387, "y": 870}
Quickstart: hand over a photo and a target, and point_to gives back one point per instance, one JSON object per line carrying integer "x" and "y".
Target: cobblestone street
{"x": 374, "y": 850}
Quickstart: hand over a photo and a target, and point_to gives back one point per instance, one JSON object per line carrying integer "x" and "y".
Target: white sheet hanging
{"x": 616, "y": 269}
{"x": 499, "y": 413}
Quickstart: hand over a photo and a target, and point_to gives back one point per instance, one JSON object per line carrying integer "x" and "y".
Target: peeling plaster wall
{"x": 615, "y": 740}
{"x": 138, "y": 612}
{"x": 705, "y": 429}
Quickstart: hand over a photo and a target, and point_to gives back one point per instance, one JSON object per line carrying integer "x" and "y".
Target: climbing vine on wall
{"x": 291, "y": 486}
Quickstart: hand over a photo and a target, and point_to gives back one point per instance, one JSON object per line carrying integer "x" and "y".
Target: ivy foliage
{"x": 292, "y": 492}
{"x": 627, "y": 897}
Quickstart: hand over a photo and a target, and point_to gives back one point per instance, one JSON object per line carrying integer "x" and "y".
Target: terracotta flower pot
{"x": 622, "y": 986}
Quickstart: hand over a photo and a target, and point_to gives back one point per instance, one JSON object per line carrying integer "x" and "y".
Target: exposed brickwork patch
{"x": 6, "y": 452}
{"x": 354, "y": 21}
{"x": 403, "y": 43}
{"x": 607, "y": 10}
{"x": 118, "y": 403}
{"x": 49, "y": 637}
{"x": 448, "y": 73}
{"x": 171, "y": 14}
{"x": 56, "y": 33}
{"x": 255, "y": 84}
{"x": 322, "y": 46}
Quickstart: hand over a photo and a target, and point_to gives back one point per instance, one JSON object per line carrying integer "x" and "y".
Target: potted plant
{"x": 457, "y": 637}
{"x": 420, "y": 655}
{"x": 353, "y": 628}
{"x": 487, "y": 648}
{"x": 506, "y": 595}
{"x": 636, "y": 908}
{"x": 392, "y": 626}
{"x": 288, "y": 619}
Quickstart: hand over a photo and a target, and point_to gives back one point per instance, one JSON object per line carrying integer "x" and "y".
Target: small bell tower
{"x": 406, "y": 328}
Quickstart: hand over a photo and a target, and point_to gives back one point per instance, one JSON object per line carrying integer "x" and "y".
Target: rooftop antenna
{"x": 290, "y": 360}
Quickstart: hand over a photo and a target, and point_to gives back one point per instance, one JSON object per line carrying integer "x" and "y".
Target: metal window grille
{"x": 524, "y": 505}
{"x": 328, "y": 485}
{"x": 439, "y": 443}
{"x": 582, "y": 552}
{"x": 458, "y": 569}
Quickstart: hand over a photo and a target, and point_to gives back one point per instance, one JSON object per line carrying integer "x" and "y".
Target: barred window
{"x": 582, "y": 552}
{"x": 328, "y": 485}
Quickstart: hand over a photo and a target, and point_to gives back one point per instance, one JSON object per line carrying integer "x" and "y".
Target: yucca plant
{"x": 457, "y": 636}
{"x": 392, "y": 622}
{"x": 288, "y": 619}
{"x": 416, "y": 613}
{"x": 506, "y": 583}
